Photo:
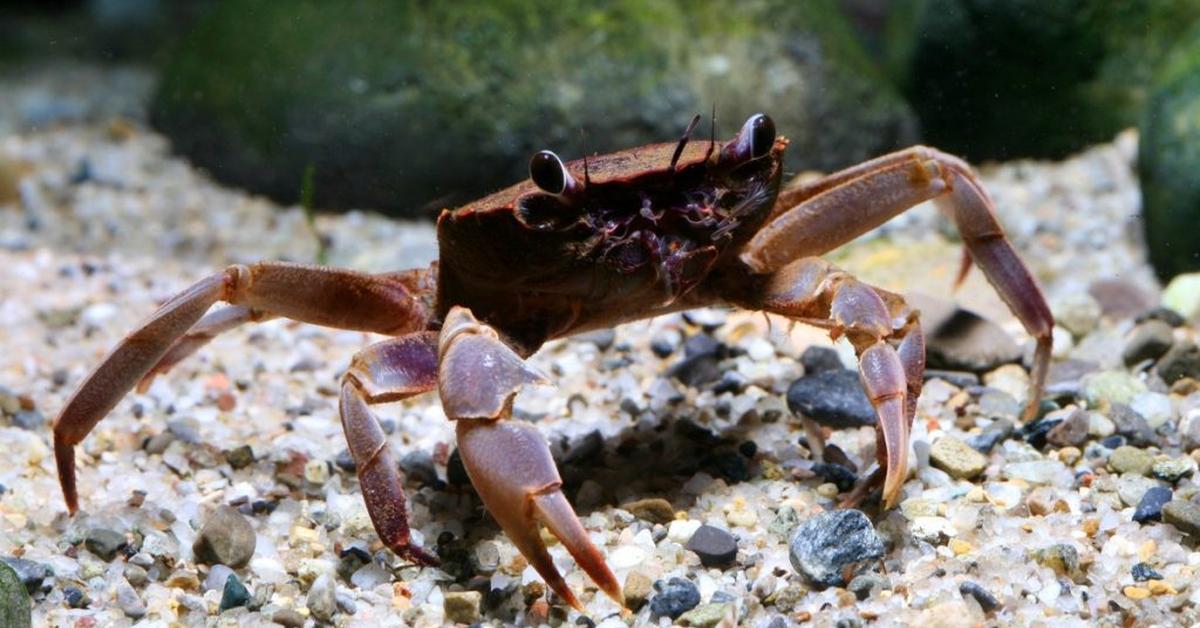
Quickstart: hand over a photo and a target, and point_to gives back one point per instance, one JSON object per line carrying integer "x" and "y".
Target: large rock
{"x": 998, "y": 79}
{"x": 409, "y": 107}
{"x": 1168, "y": 163}
{"x": 15, "y": 606}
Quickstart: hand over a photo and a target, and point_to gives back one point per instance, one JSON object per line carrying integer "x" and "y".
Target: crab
{"x": 579, "y": 246}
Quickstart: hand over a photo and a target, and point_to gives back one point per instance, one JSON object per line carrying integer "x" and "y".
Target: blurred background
{"x": 409, "y": 107}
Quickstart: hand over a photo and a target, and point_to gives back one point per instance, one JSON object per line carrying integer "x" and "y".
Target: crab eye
{"x": 762, "y": 134}
{"x": 752, "y": 142}
{"x": 549, "y": 173}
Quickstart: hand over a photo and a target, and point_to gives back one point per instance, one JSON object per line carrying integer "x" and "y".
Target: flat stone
{"x": 714, "y": 546}
{"x": 1185, "y": 516}
{"x": 1148, "y": 341}
{"x": 1119, "y": 298}
{"x": 826, "y": 547}
{"x": 104, "y": 543}
{"x": 1128, "y": 423}
{"x": 961, "y": 340}
{"x": 1129, "y": 459}
{"x": 705, "y": 615}
{"x": 225, "y": 538}
{"x": 1173, "y": 469}
{"x": 653, "y": 509}
{"x": 129, "y": 601}
{"x": 16, "y": 608}
{"x": 637, "y": 589}
{"x": 674, "y": 598}
{"x": 289, "y": 618}
{"x": 957, "y": 458}
{"x": 832, "y": 398}
{"x": 1151, "y": 505}
{"x": 1107, "y": 387}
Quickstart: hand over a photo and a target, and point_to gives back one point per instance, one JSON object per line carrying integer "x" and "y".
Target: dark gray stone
{"x": 104, "y": 543}
{"x": 960, "y": 340}
{"x": 998, "y": 431}
{"x": 832, "y": 398}
{"x": 1148, "y": 341}
{"x": 818, "y": 359}
{"x": 234, "y": 594}
{"x": 826, "y": 546}
{"x": 1143, "y": 572}
{"x": 29, "y": 420}
{"x": 32, "y": 574}
{"x": 419, "y": 467}
{"x": 714, "y": 546}
{"x": 1151, "y": 505}
{"x": 1072, "y": 431}
{"x": 674, "y": 598}
{"x": 240, "y": 457}
{"x": 986, "y": 600}
{"x": 1182, "y": 360}
{"x": 1131, "y": 425}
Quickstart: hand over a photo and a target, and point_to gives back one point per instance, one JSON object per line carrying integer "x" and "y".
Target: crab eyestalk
{"x": 753, "y": 141}
{"x": 551, "y": 176}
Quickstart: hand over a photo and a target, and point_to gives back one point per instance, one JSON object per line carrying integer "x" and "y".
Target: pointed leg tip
{"x": 417, "y": 555}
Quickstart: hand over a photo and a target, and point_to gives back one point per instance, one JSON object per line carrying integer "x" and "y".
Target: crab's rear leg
{"x": 386, "y": 371}
{"x": 508, "y": 461}
{"x": 844, "y": 205}
{"x": 322, "y": 296}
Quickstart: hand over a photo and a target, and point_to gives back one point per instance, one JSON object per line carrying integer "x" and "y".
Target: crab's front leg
{"x": 508, "y": 461}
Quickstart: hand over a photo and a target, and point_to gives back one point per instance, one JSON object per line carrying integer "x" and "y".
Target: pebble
{"x": 832, "y": 398}
{"x": 674, "y": 598}
{"x": 288, "y": 617}
{"x": 1143, "y": 571}
{"x": 1077, "y": 312}
{"x": 1182, "y": 295}
{"x": 1129, "y": 459}
{"x": 462, "y": 607}
{"x": 31, "y": 420}
{"x": 817, "y": 359}
{"x": 136, "y": 575}
{"x": 316, "y": 472}
{"x": 1131, "y": 488}
{"x": 705, "y": 615}
{"x": 998, "y": 431}
{"x": 215, "y": 580}
{"x": 185, "y": 579}
{"x": 322, "y": 598}
{"x": 234, "y": 594}
{"x": 864, "y": 585}
{"x": 986, "y": 600}
{"x": 714, "y": 546}
{"x": 961, "y": 340}
{"x": 603, "y": 339}
{"x": 240, "y": 457}
{"x": 1184, "y": 515}
{"x": 826, "y": 546}
{"x": 75, "y": 597}
{"x": 1119, "y": 298}
{"x": 1072, "y": 431}
{"x": 418, "y": 466}
{"x": 1148, "y": 341}
{"x": 957, "y": 458}
{"x": 1033, "y": 471}
{"x": 1173, "y": 469}
{"x": 1154, "y": 407}
{"x": 1151, "y": 505}
{"x": 129, "y": 601}
{"x": 663, "y": 344}
{"x": 1062, "y": 558}
{"x": 104, "y": 543}
{"x": 637, "y": 589}
{"x": 1107, "y": 387}
{"x": 1182, "y": 360}
{"x": 1128, "y": 423}
{"x": 32, "y": 574}
{"x": 840, "y": 477}
{"x": 225, "y": 538}
{"x": 653, "y": 509}
{"x": 16, "y": 609}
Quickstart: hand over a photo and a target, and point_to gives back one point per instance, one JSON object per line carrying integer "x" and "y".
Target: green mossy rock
{"x": 409, "y": 107}
{"x": 1000, "y": 79}
{"x": 1169, "y": 164}
{"x": 16, "y": 609}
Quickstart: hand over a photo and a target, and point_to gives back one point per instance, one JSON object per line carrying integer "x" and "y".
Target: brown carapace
{"x": 579, "y": 246}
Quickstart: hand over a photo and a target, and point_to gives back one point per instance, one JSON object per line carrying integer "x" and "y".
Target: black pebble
{"x": 1035, "y": 433}
{"x": 986, "y": 600}
{"x": 999, "y": 430}
{"x": 1114, "y": 441}
{"x": 832, "y": 398}
{"x": 234, "y": 593}
{"x": 674, "y": 598}
{"x": 1143, "y": 572}
{"x": 1151, "y": 505}
{"x": 345, "y": 461}
{"x": 75, "y": 598}
{"x": 819, "y": 359}
{"x": 747, "y": 449}
{"x": 844, "y": 478}
{"x": 714, "y": 546}
{"x": 456, "y": 473}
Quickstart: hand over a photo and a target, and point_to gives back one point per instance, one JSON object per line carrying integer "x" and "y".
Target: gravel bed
{"x": 223, "y": 496}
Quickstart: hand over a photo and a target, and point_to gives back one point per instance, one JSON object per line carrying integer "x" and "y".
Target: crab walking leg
{"x": 386, "y": 371}
{"x": 323, "y": 296}
{"x": 200, "y": 334}
{"x": 884, "y": 333}
{"x": 508, "y": 461}
{"x": 845, "y": 205}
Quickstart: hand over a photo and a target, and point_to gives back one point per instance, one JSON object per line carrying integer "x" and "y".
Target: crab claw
{"x": 511, "y": 468}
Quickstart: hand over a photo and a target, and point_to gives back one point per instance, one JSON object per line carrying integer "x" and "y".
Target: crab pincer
{"x": 508, "y": 461}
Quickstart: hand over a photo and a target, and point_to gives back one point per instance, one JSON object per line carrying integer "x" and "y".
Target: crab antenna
{"x": 712, "y": 132}
{"x": 687, "y": 135}
{"x": 587, "y": 180}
